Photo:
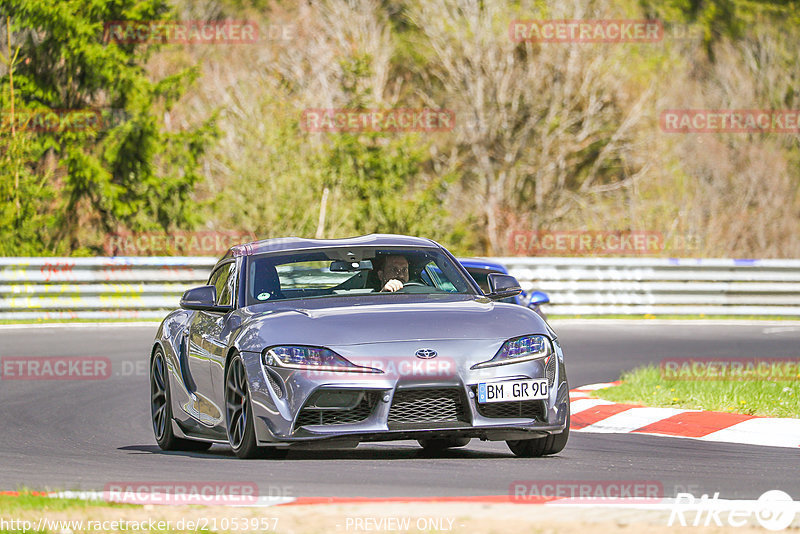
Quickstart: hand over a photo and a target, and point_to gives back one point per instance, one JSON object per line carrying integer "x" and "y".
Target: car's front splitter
{"x": 310, "y": 440}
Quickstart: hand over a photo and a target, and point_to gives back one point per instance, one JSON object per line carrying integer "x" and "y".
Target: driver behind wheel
{"x": 393, "y": 273}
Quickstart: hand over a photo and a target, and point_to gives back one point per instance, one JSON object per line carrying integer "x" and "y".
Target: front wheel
{"x": 161, "y": 409}
{"x": 553, "y": 444}
{"x": 239, "y": 415}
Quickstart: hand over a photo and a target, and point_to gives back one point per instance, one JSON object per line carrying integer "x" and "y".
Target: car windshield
{"x": 351, "y": 271}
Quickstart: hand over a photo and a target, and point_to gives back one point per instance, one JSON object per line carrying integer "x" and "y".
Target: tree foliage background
{"x": 65, "y": 187}
{"x": 548, "y": 136}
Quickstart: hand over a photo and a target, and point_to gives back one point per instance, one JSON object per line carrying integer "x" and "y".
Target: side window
{"x": 437, "y": 277}
{"x": 482, "y": 277}
{"x": 225, "y": 282}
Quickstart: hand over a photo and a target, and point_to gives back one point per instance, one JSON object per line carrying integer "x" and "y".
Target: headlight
{"x": 316, "y": 358}
{"x": 520, "y": 349}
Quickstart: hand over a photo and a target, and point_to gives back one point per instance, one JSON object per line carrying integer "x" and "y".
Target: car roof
{"x": 480, "y": 263}
{"x": 299, "y": 243}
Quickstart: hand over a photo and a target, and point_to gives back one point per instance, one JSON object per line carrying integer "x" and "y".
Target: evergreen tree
{"x": 95, "y": 133}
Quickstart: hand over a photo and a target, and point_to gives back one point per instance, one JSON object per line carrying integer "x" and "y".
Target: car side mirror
{"x": 537, "y": 298}
{"x": 502, "y": 286}
{"x": 202, "y": 298}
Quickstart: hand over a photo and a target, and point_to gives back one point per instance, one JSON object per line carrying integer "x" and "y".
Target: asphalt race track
{"x": 84, "y": 434}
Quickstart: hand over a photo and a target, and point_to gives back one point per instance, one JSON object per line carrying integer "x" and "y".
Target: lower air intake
{"x": 427, "y": 406}
{"x": 513, "y": 410}
{"x": 550, "y": 370}
{"x": 357, "y": 414}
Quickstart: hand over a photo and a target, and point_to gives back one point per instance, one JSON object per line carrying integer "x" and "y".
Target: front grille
{"x": 513, "y": 409}
{"x": 550, "y": 370}
{"x": 427, "y": 406}
{"x": 312, "y": 416}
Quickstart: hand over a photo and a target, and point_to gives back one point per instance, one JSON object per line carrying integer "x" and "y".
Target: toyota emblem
{"x": 426, "y": 354}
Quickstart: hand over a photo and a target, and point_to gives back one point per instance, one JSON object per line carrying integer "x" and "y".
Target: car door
{"x": 208, "y": 343}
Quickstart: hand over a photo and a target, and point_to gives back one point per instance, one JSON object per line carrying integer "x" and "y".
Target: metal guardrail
{"x": 147, "y": 287}
{"x": 669, "y": 286}
{"x": 97, "y": 288}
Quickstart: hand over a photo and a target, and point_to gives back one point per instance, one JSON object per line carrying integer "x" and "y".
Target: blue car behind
{"x": 480, "y": 269}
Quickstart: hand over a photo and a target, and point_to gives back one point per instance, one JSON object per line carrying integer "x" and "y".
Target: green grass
{"x": 27, "y": 500}
{"x": 753, "y": 397}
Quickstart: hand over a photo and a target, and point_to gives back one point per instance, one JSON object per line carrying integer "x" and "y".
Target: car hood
{"x": 325, "y": 322}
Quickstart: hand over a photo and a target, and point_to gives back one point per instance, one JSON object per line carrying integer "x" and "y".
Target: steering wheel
{"x": 414, "y": 287}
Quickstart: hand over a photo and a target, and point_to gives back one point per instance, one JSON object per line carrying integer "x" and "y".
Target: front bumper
{"x": 383, "y": 407}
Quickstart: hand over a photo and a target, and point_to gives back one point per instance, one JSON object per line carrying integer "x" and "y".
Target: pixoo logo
{"x": 774, "y": 510}
{"x": 426, "y": 354}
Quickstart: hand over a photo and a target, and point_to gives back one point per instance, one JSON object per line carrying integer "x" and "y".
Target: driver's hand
{"x": 393, "y": 285}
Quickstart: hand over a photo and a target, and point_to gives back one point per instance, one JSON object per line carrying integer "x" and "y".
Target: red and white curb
{"x": 601, "y": 416}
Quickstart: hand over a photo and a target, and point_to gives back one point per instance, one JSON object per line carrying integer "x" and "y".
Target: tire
{"x": 440, "y": 444}
{"x": 239, "y": 415}
{"x": 531, "y": 448}
{"x": 161, "y": 409}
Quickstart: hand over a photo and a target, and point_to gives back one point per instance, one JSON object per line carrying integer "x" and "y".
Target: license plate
{"x": 513, "y": 390}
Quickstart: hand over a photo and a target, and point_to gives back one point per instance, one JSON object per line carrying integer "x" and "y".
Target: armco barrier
{"x": 147, "y": 287}
{"x": 592, "y": 286}
{"x": 96, "y": 288}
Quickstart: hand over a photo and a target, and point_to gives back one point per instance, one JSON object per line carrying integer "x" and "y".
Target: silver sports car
{"x": 300, "y": 343}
